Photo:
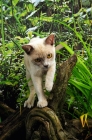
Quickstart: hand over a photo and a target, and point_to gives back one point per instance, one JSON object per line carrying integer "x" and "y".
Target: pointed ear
{"x": 27, "y": 48}
{"x": 50, "y": 39}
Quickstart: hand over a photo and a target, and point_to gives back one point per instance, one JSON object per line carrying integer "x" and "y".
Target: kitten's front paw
{"x": 29, "y": 103}
{"x": 42, "y": 103}
{"x": 49, "y": 86}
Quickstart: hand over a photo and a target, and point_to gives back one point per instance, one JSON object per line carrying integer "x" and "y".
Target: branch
{"x": 57, "y": 95}
{"x": 5, "y": 110}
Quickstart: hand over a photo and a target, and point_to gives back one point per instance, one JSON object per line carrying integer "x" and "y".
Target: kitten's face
{"x": 44, "y": 56}
{"x": 41, "y": 52}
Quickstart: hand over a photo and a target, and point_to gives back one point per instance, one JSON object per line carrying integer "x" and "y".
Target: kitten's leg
{"x": 42, "y": 101}
{"x": 30, "y": 101}
{"x": 50, "y": 77}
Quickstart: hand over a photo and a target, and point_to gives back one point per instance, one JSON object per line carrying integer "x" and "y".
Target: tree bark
{"x": 49, "y": 120}
{"x": 13, "y": 128}
{"x": 58, "y": 93}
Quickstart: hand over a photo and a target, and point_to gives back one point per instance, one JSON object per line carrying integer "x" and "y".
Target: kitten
{"x": 39, "y": 60}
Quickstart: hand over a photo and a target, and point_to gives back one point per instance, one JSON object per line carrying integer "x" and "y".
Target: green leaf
{"x": 9, "y": 45}
{"x": 48, "y": 19}
{"x": 67, "y": 48}
{"x": 14, "y": 2}
{"x": 6, "y": 82}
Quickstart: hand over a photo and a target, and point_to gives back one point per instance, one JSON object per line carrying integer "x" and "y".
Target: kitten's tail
{"x": 59, "y": 47}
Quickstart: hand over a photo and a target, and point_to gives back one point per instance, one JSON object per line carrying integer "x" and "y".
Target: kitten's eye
{"x": 49, "y": 55}
{"x": 38, "y": 60}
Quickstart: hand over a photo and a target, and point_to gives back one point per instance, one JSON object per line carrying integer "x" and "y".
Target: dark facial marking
{"x": 38, "y": 59}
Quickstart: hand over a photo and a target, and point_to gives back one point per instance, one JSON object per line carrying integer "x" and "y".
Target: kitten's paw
{"x": 49, "y": 86}
{"x": 42, "y": 103}
{"x": 29, "y": 103}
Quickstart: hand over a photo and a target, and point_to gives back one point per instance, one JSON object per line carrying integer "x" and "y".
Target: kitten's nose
{"x": 45, "y": 66}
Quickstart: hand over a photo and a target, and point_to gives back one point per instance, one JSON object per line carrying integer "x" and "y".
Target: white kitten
{"x": 39, "y": 61}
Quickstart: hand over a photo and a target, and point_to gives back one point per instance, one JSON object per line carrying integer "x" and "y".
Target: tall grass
{"x": 80, "y": 83}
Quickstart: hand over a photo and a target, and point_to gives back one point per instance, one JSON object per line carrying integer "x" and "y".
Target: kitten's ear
{"x": 50, "y": 39}
{"x": 27, "y": 48}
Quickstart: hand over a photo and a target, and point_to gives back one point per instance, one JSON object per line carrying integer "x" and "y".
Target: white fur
{"x": 35, "y": 73}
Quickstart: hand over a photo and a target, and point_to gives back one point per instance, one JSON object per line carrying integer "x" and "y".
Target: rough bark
{"x": 58, "y": 93}
{"x": 49, "y": 120}
{"x": 13, "y": 128}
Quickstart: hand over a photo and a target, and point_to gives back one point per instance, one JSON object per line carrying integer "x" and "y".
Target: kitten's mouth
{"x": 45, "y": 68}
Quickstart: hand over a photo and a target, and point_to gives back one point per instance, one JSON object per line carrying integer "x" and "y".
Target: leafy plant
{"x": 80, "y": 83}
{"x": 12, "y": 70}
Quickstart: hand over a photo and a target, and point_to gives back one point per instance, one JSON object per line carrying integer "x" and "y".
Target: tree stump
{"x": 49, "y": 125}
{"x": 41, "y": 123}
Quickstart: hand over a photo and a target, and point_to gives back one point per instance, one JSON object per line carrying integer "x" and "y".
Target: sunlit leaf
{"x": 83, "y": 119}
{"x": 14, "y": 2}
{"x": 48, "y": 19}
{"x": 31, "y": 14}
